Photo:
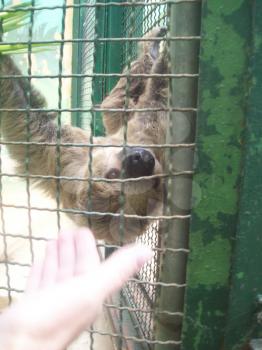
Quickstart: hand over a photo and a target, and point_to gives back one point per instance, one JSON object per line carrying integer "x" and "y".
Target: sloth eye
{"x": 113, "y": 174}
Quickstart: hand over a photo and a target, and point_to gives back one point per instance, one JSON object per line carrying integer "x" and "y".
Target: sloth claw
{"x": 157, "y": 32}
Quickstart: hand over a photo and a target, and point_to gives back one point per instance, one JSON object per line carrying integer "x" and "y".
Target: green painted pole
{"x": 224, "y": 59}
{"x": 76, "y": 66}
{"x": 184, "y": 21}
{"x": 246, "y": 285}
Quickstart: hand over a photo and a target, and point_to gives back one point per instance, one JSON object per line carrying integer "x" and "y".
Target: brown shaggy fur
{"x": 143, "y": 197}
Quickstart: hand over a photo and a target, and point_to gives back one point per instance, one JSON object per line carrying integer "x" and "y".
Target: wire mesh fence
{"x": 136, "y": 23}
{"x": 103, "y": 53}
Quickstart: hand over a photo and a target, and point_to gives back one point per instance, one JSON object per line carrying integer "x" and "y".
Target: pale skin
{"x": 66, "y": 291}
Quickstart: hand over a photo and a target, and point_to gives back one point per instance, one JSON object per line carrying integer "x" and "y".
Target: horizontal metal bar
{"x": 92, "y": 145}
{"x": 135, "y": 339}
{"x": 131, "y": 280}
{"x": 9, "y": 289}
{"x": 14, "y": 263}
{"x": 99, "y": 245}
{"x": 98, "y": 179}
{"x": 13, "y": 235}
{"x": 155, "y": 249}
{"x": 153, "y": 311}
{"x": 99, "y": 4}
{"x": 162, "y": 284}
{"x": 95, "y": 213}
{"x": 98, "y": 75}
{"x": 95, "y": 109}
{"x": 101, "y": 40}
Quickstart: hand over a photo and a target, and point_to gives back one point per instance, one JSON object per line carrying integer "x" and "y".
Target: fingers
{"x": 50, "y": 265}
{"x": 87, "y": 258}
{"x": 34, "y": 278}
{"x": 123, "y": 264}
{"x": 43, "y": 273}
{"x": 66, "y": 255}
{"x": 73, "y": 253}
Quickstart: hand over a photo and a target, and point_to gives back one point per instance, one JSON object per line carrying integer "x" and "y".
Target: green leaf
{"x": 14, "y": 20}
{"x": 23, "y": 48}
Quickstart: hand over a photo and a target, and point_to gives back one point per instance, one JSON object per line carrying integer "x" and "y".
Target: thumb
{"x": 118, "y": 268}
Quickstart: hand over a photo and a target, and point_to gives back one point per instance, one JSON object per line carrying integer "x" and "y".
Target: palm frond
{"x": 23, "y": 48}
{"x": 14, "y": 20}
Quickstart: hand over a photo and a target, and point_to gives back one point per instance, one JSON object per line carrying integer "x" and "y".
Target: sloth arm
{"x": 149, "y": 127}
{"x": 36, "y": 127}
{"x": 128, "y": 90}
{"x": 125, "y": 94}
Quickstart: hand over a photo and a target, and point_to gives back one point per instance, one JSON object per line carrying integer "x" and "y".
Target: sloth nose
{"x": 138, "y": 162}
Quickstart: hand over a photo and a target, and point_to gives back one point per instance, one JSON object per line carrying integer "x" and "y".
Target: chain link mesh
{"x": 139, "y": 298}
{"x": 143, "y": 297}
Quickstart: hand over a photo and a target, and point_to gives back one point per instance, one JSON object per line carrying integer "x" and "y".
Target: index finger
{"x": 120, "y": 266}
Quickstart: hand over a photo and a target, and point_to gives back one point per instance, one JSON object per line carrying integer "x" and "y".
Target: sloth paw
{"x": 156, "y": 45}
{"x": 151, "y": 48}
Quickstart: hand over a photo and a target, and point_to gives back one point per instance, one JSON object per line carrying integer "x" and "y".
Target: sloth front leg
{"x": 128, "y": 90}
{"x": 19, "y": 125}
{"x": 125, "y": 95}
{"x": 156, "y": 88}
{"x": 150, "y": 125}
{"x": 29, "y": 134}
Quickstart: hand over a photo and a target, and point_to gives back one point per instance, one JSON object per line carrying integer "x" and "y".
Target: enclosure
{"x": 203, "y": 288}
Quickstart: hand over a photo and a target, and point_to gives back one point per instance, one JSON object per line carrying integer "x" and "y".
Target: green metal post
{"x": 247, "y": 259}
{"x": 184, "y": 21}
{"x": 114, "y": 50}
{"x": 108, "y": 55}
{"x": 76, "y": 66}
{"x": 79, "y": 65}
{"x": 98, "y": 83}
{"x": 107, "y": 58}
{"x": 225, "y": 46}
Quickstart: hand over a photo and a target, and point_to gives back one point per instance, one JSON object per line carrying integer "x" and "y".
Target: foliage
{"x": 14, "y": 20}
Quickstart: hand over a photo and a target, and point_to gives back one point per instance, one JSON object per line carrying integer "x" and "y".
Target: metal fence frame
{"x": 130, "y": 24}
{"x": 223, "y": 281}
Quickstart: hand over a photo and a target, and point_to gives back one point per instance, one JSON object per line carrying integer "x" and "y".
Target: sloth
{"x": 96, "y": 185}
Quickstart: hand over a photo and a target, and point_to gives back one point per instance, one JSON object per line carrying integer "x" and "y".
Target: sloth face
{"x": 132, "y": 171}
{"x": 125, "y": 185}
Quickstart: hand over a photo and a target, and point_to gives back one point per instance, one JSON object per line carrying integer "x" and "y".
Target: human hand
{"x": 66, "y": 291}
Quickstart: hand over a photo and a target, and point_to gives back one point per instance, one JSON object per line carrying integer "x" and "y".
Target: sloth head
{"x": 124, "y": 181}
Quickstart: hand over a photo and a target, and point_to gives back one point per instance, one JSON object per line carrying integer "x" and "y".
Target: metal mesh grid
{"x": 137, "y": 22}
{"x": 144, "y": 19}
{"x": 88, "y": 59}
{"x": 142, "y": 290}
{"x": 143, "y": 297}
